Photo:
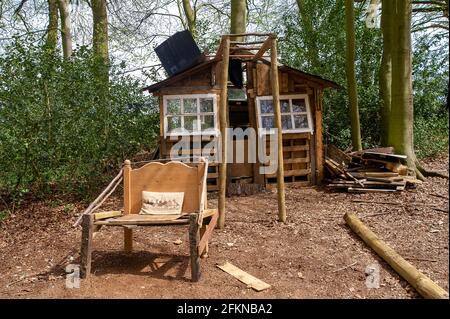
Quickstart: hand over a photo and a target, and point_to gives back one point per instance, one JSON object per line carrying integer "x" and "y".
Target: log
{"x": 278, "y": 125}
{"x": 223, "y": 129}
{"x": 424, "y": 285}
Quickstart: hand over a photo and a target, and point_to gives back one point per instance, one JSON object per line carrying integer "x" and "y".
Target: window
{"x": 190, "y": 114}
{"x": 295, "y": 113}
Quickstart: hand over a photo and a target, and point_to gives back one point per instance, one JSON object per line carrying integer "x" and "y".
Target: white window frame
{"x": 198, "y": 114}
{"x": 310, "y": 128}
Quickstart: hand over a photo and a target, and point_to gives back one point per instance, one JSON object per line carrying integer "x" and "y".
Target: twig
{"x": 421, "y": 259}
{"x": 345, "y": 267}
{"x": 437, "y": 195}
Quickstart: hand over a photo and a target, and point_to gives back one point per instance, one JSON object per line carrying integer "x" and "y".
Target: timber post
{"x": 279, "y": 127}
{"x": 223, "y": 129}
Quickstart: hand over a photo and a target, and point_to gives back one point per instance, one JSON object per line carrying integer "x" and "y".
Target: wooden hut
{"x": 193, "y": 96}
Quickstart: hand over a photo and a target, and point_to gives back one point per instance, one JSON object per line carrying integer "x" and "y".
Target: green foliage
{"x": 62, "y": 126}
{"x": 328, "y": 35}
{"x": 431, "y": 74}
{"x": 322, "y": 52}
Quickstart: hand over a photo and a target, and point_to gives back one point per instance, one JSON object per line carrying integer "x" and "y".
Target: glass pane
{"x": 285, "y": 106}
{"x": 190, "y": 123}
{"x": 237, "y": 94}
{"x": 190, "y": 105}
{"x": 298, "y": 105}
{"x": 173, "y": 122}
{"x": 174, "y": 106}
{"x": 301, "y": 121}
{"x": 207, "y": 122}
{"x": 267, "y": 122}
{"x": 266, "y": 106}
{"x": 206, "y": 105}
{"x": 286, "y": 122}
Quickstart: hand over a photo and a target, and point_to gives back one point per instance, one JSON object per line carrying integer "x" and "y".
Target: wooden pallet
{"x": 297, "y": 161}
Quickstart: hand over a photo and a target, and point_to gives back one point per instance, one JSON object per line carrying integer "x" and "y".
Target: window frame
{"x": 214, "y": 131}
{"x": 290, "y": 97}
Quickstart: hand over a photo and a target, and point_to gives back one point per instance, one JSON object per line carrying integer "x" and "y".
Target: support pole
{"x": 223, "y": 128}
{"x": 277, "y": 113}
{"x": 424, "y": 285}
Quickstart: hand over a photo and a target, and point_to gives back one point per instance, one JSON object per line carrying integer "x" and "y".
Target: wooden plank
{"x": 207, "y": 233}
{"x": 295, "y": 172}
{"x": 108, "y": 214}
{"x": 244, "y": 277}
{"x": 262, "y": 79}
{"x": 424, "y": 285}
{"x": 223, "y": 130}
{"x": 113, "y": 222}
{"x": 296, "y": 160}
{"x": 296, "y": 148}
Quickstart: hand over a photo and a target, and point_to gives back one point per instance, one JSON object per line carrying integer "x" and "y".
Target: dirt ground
{"x": 313, "y": 255}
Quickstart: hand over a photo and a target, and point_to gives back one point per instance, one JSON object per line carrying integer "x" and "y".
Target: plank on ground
{"x": 244, "y": 277}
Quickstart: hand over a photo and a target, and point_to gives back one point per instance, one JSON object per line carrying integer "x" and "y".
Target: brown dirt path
{"x": 313, "y": 255}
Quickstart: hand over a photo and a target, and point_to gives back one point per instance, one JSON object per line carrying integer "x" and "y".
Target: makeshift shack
{"x": 193, "y": 96}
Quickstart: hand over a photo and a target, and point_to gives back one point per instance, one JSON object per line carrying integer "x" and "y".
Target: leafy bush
{"x": 62, "y": 126}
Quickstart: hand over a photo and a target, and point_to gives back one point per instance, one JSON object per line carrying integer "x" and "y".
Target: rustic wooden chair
{"x": 172, "y": 176}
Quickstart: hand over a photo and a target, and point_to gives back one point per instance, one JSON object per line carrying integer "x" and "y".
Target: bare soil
{"x": 313, "y": 255}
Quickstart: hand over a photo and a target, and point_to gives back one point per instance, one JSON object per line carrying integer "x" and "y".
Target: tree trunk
{"x": 351, "y": 77}
{"x": 401, "y": 121}
{"x": 100, "y": 29}
{"x": 238, "y": 17}
{"x": 386, "y": 68}
{"x": 310, "y": 41}
{"x": 191, "y": 17}
{"x": 52, "y": 29}
{"x": 66, "y": 28}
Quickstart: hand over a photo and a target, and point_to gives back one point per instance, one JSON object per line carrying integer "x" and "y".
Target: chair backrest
{"x": 172, "y": 176}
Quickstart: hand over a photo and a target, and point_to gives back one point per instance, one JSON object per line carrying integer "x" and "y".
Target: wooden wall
{"x": 303, "y": 152}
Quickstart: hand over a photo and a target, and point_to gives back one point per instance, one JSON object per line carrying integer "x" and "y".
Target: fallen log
{"x": 424, "y": 285}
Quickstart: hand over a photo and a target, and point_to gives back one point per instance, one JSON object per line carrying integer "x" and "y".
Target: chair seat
{"x": 136, "y": 219}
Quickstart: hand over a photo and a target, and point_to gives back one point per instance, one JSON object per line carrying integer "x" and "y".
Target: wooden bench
{"x": 159, "y": 177}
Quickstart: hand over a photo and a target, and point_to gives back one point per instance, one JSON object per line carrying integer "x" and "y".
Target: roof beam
{"x": 266, "y": 46}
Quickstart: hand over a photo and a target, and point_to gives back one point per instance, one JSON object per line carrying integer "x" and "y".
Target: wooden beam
{"x": 206, "y": 234}
{"x": 319, "y": 137}
{"x": 266, "y": 46}
{"x": 277, "y": 111}
{"x": 194, "y": 238}
{"x": 86, "y": 245}
{"x": 127, "y": 233}
{"x": 235, "y": 35}
{"x": 424, "y": 285}
{"x": 223, "y": 129}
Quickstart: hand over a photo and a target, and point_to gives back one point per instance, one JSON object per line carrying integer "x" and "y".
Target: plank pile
{"x": 374, "y": 170}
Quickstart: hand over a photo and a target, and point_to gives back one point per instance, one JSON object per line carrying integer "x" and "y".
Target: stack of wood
{"x": 373, "y": 170}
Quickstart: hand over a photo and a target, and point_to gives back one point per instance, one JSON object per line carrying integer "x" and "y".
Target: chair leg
{"x": 87, "y": 224}
{"x": 194, "y": 239}
{"x": 128, "y": 239}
